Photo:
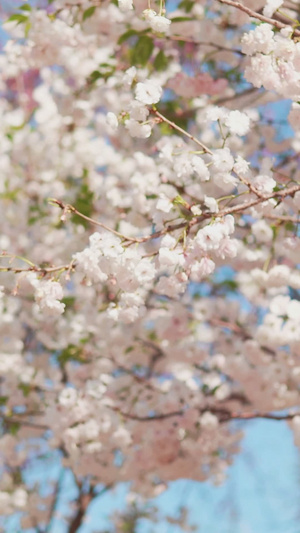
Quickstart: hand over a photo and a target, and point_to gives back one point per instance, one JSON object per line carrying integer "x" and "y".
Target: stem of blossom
{"x": 204, "y": 148}
{"x": 203, "y": 43}
{"x": 285, "y": 218}
{"x": 234, "y": 209}
{"x": 229, "y": 210}
{"x": 296, "y": 22}
{"x": 224, "y": 99}
{"x": 13, "y": 256}
{"x": 276, "y": 23}
{"x": 290, "y": 191}
{"x": 181, "y": 130}
{"x": 68, "y": 273}
{"x": 250, "y": 186}
{"x": 71, "y": 209}
{"x": 35, "y": 268}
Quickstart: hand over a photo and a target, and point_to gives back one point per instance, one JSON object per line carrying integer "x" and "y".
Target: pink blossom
{"x": 203, "y": 83}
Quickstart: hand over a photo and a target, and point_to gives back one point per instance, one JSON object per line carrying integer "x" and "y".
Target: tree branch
{"x": 223, "y": 414}
{"x": 83, "y": 503}
{"x": 55, "y": 501}
{"x": 181, "y": 130}
{"x": 276, "y": 23}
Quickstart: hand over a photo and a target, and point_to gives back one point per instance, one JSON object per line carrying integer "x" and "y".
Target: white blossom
{"x": 125, "y": 5}
{"x": 47, "y": 295}
{"x": 148, "y": 92}
{"x": 160, "y": 24}
{"x": 271, "y": 6}
{"x": 237, "y": 122}
{"x": 138, "y": 129}
{"x": 112, "y": 120}
{"x": 262, "y": 231}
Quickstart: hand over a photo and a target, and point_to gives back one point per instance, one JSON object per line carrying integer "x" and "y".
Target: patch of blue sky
{"x": 277, "y": 113}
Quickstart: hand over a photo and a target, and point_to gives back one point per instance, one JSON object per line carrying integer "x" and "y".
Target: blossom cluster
{"x": 275, "y": 60}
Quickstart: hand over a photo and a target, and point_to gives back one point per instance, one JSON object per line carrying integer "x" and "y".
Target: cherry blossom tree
{"x": 149, "y": 246}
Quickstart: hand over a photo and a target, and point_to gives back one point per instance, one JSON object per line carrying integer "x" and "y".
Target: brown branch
{"x": 266, "y": 416}
{"x": 181, "y": 130}
{"x": 157, "y": 353}
{"x": 290, "y": 191}
{"x": 55, "y": 501}
{"x": 284, "y": 218}
{"x": 85, "y": 499}
{"x": 160, "y": 416}
{"x": 206, "y": 150}
{"x": 236, "y": 96}
{"x": 68, "y": 208}
{"x": 224, "y": 415}
{"x": 176, "y": 37}
{"x": 282, "y": 193}
{"x": 83, "y": 503}
{"x": 13, "y": 420}
{"x": 41, "y": 270}
{"x": 276, "y": 23}
{"x": 239, "y": 331}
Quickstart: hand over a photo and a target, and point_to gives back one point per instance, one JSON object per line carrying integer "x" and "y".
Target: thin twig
{"x": 55, "y": 501}
{"x": 223, "y": 414}
{"x": 71, "y": 209}
{"x": 181, "y": 130}
{"x": 13, "y": 420}
{"x": 276, "y": 23}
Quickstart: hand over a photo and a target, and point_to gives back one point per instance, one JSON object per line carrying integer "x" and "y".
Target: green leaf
{"x": 230, "y": 284}
{"x": 129, "y": 349}
{"x": 25, "y": 7}
{"x": 181, "y": 19}
{"x": 10, "y": 195}
{"x": 127, "y": 35}
{"x": 178, "y": 200}
{"x": 289, "y": 226}
{"x": 165, "y": 129}
{"x": 94, "y": 76}
{"x": 105, "y": 71}
{"x": 27, "y": 28}
{"x": 152, "y": 336}
{"x": 70, "y": 353}
{"x": 187, "y": 5}
{"x": 25, "y": 388}
{"x": 18, "y": 17}
{"x": 14, "y": 428}
{"x": 142, "y": 51}
{"x": 161, "y": 61}
{"x": 3, "y": 400}
{"x": 88, "y": 13}
{"x": 37, "y": 212}
{"x": 84, "y": 204}
{"x": 68, "y": 301}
